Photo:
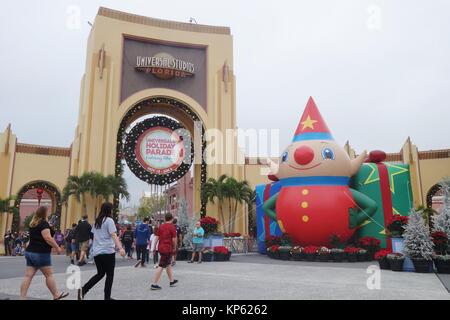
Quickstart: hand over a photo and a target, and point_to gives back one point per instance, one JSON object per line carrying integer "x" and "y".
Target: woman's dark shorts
{"x": 38, "y": 260}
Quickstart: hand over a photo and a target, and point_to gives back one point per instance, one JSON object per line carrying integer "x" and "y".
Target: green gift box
{"x": 389, "y": 185}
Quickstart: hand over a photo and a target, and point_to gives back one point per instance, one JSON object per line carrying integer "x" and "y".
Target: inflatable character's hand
{"x": 365, "y": 209}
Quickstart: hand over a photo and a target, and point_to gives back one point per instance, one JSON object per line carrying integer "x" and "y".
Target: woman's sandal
{"x": 62, "y": 295}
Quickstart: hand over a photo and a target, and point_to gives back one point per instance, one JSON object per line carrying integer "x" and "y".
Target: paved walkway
{"x": 252, "y": 277}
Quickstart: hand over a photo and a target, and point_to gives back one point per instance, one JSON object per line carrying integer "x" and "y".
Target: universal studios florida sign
{"x": 165, "y": 66}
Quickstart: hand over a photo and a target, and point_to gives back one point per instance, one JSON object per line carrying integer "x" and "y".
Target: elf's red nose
{"x": 303, "y": 155}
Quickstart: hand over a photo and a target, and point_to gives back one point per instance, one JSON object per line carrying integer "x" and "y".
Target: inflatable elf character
{"x": 315, "y": 201}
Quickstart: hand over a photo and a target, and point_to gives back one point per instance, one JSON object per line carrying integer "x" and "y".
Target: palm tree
{"x": 78, "y": 187}
{"x": 5, "y": 207}
{"x": 98, "y": 189}
{"x": 427, "y": 213}
{"x": 214, "y": 189}
{"x": 233, "y": 191}
{"x": 97, "y": 186}
{"x": 242, "y": 193}
{"x": 117, "y": 187}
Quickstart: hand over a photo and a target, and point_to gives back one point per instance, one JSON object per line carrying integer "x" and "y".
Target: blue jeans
{"x": 38, "y": 260}
{"x": 128, "y": 250}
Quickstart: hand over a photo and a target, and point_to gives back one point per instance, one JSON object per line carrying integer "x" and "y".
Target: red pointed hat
{"x": 312, "y": 126}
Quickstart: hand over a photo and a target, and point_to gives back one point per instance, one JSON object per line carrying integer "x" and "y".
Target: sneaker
{"x": 80, "y": 264}
{"x": 143, "y": 265}
{"x": 71, "y": 261}
{"x": 155, "y": 266}
{"x": 190, "y": 261}
{"x": 173, "y": 283}
{"x": 137, "y": 264}
{"x": 199, "y": 262}
{"x": 155, "y": 287}
{"x": 80, "y": 294}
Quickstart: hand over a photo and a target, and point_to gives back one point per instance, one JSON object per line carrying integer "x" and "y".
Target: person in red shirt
{"x": 167, "y": 244}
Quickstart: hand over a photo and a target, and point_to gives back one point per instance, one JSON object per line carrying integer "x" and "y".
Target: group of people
{"x": 78, "y": 241}
{"x": 103, "y": 241}
{"x": 15, "y": 243}
{"x": 143, "y": 240}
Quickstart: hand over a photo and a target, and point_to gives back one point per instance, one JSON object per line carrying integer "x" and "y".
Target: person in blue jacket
{"x": 142, "y": 235}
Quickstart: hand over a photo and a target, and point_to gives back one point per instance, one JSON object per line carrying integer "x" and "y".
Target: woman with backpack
{"x": 127, "y": 240}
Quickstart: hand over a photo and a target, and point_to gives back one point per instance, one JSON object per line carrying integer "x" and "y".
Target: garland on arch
{"x": 122, "y": 135}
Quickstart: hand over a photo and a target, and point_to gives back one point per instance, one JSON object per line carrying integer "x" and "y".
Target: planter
{"x": 442, "y": 266}
{"x": 338, "y": 256}
{"x": 219, "y": 257}
{"x": 397, "y": 247}
{"x": 207, "y": 257}
{"x": 384, "y": 264}
{"x": 310, "y": 256}
{"x": 213, "y": 241}
{"x": 352, "y": 257}
{"x": 182, "y": 254}
{"x": 228, "y": 256}
{"x": 422, "y": 265}
{"x": 298, "y": 256}
{"x": 273, "y": 255}
{"x": 362, "y": 257}
{"x": 284, "y": 255}
{"x": 396, "y": 264}
{"x": 323, "y": 257}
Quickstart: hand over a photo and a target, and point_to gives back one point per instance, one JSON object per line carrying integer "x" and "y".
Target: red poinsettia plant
{"x": 231, "y": 234}
{"x": 440, "y": 241}
{"x": 397, "y": 224}
{"x": 209, "y": 224}
{"x": 382, "y": 254}
{"x": 274, "y": 248}
{"x": 370, "y": 244}
{"x": 221, "y": 250}
{"x": 351, "y": 250}
{"x": 311, "y": 249}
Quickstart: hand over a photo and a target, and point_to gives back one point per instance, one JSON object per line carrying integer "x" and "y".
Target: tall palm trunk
{"x": 235, "y": 212}
{"x": 231, "y": 216}
{"x": 222, "y": 217}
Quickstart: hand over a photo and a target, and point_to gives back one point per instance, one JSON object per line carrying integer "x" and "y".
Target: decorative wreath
{"x": 47, "y": 187}
{"x": 147, "y": 104}
{"x": 131, "y": 157}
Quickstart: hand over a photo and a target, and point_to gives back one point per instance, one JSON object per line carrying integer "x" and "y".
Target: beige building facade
{"x": 125, "y": 81}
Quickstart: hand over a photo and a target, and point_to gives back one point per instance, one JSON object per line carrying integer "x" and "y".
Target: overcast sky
{"x": 378, "y": 70}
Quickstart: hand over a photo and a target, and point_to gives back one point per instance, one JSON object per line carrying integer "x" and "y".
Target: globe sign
{"x": 160, "y": 150}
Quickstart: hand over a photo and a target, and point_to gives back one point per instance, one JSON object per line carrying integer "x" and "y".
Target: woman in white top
{"x": 104, "y": 251}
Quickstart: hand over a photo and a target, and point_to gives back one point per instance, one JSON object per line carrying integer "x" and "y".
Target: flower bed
{"x": 232, "y": 235}
{"x": 351, "y": 253}
{"x": 396, "y": 261}
{"x": 221, "y": 254}
{"x": 396, "y": 227}
{"x": 370, "y": 244}
{"x": 273, "y": 251}
{"x": 381, "y": 257}
{"x": 442, "y": 263}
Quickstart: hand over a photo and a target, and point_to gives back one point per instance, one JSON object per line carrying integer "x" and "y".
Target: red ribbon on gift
{"x": 377, "y": 157}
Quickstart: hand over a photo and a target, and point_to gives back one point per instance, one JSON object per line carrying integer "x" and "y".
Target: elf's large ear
{"x": 357, "y": 162}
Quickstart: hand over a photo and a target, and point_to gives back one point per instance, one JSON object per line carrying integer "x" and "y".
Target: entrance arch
{"x": 434, "y": 191}
{"x": 176, "y": 109}
{"x": 47, "y": 187}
